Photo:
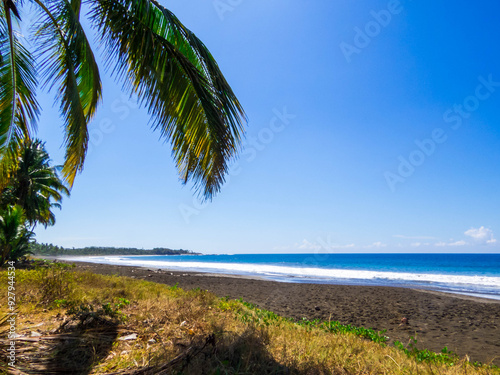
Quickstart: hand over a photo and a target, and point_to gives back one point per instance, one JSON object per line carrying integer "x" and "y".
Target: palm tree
{"x": 35, "y": 185}
{"x": 14, "y": 236}
{"x": 158, "y": 59}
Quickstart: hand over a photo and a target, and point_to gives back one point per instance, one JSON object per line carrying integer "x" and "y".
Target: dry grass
{"x": 190, "y": 332}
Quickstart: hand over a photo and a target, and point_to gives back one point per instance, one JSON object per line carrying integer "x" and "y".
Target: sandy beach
{"x": 466, "y": 325}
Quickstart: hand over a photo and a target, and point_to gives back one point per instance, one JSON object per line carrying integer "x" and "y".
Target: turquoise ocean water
{"x": 472, "y": 274}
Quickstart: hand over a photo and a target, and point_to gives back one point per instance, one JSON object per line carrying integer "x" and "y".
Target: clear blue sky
{"x": 373, "y": 127}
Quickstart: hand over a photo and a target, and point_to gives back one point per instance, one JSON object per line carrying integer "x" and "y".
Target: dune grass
{"x": 116, "y": 325}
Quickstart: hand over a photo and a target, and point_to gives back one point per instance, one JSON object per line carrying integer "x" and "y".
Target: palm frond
{"x": 69, "y": 64}
{"x": 15, "y": 238}
{"x": 179, "y": 82}
{"x": 9, "y": 161}
{"x": 19, "y": 108}
{"x": 77, "y": 6}
{"x": 35, "y": 185}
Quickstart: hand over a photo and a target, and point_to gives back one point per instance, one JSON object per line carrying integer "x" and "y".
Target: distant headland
{"x": 53, "y": 250}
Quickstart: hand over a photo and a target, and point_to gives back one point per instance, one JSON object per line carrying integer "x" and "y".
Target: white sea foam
{"x": 304, "y": 272}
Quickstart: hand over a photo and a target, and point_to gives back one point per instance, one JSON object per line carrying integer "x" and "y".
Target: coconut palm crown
{"x": 147, "y": 48}
{"x": 34, "y": 185}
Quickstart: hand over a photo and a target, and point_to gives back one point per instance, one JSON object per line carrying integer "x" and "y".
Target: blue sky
{"x": 373, "y": 127}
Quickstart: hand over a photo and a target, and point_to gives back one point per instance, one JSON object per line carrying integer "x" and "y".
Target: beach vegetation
{"x": 158, "y": 60}
{"x": 15, "y": 237}
{"x": 411, "y": 350}
{"x": 30, "y": 191}
{"x": 87, "y": 314}
{"x": 34, "y": 184}
{"x": 112, "y": 324}
{"x": 261, "y": 316}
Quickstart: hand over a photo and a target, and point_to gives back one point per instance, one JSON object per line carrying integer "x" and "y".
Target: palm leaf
{"x": 70, "y": 65}
{"x": 19, "y": 109}
{"x": 180, "y": 84}
{"x": 11, "y": 230}
{"x": 35, "y": 186}
{"x": 9, "y": 161}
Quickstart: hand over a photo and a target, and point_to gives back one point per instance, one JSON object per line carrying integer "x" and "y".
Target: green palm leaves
{"x": 177, "y": 79}
{"x": 68, "y": 64}
{"x": 18, "y": 106}
{"x": 170, "y": 70}
{"x": 32, "y": 190}
{"x": 14, "y": 236}
{"x": 35, "y": 185}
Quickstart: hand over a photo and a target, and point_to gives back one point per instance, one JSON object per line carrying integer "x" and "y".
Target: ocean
{"x": 470, "y": 274}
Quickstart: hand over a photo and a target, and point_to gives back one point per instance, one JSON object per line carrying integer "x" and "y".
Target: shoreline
{"x": 294, "y": 280}
{"x": 464, "y": 324}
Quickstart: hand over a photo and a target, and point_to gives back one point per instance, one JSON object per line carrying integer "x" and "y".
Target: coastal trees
{"x": 34, "y": 184}
{"x": 156, "y": 57}
{"x": 32, "y": 188}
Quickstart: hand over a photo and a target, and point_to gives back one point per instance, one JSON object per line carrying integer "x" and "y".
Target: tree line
{"x": 53, "y": 250}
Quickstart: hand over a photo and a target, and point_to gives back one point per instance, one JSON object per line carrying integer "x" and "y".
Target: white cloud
{"x": 481, "y": 235}
{"x": 376, "y": 245}
{"x": 348, "y": 246}
{"x": 451, "y": 243}
{"x": 458, "y": 243}
{"x": 345, "y": 246}
{"x": 306, "y": 245}
{"x": 322, "y": 244}
{"x": 415, "y": 244}
{"x": 413, "y": 237}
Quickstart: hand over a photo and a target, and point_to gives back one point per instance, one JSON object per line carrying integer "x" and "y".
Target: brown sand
{"x": 466, "y": 325}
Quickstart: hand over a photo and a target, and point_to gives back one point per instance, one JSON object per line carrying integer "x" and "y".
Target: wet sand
{"x": 466, "y": 325}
